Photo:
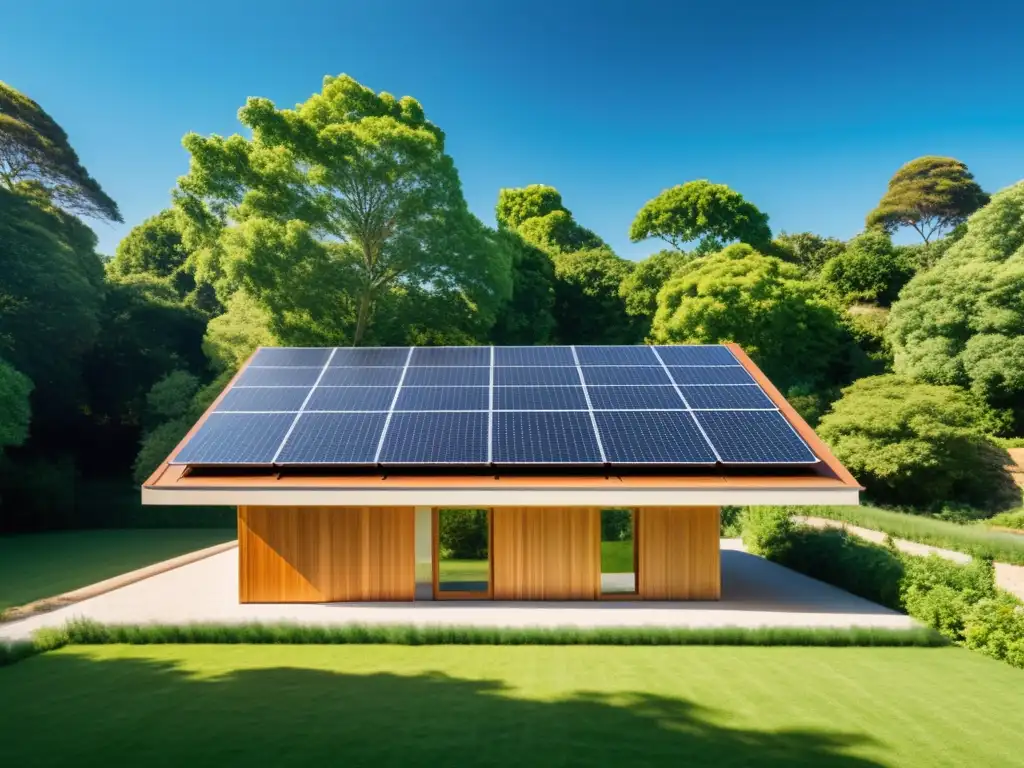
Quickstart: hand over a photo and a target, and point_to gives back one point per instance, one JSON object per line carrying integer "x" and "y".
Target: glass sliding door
{"x": 618, "y": 552}
{"x": 462, "y": 553}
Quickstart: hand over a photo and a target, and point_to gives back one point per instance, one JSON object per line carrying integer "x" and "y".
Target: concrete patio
{"x": 755, "y": 593}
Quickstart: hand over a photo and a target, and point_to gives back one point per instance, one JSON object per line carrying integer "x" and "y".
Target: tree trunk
{"x": 362, "y": 318}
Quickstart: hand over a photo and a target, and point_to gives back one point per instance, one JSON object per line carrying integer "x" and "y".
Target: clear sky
{"x": 806, "y": 108}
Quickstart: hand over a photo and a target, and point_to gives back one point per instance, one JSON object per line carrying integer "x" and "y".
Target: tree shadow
{"x": 63, "y": 709}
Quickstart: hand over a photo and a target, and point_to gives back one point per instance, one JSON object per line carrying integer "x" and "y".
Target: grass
{"x": 617, "y": 556}
{"x": 463, "y": 570}
{"x": 34, "y": 566}
{"x": 971, "y": 539}
{"x": 1013, "y": 519}
{"x": 281, "y": 705}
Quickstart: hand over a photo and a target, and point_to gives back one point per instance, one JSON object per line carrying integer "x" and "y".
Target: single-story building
{"x": 504, "y": 473}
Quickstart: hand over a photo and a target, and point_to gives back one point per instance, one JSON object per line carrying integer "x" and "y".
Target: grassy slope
{"x": 444, "y": 705}
{"x": 40, "y": 565}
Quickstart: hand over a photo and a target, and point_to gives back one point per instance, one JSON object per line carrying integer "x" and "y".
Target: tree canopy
{"x": 334, "y": 206}
{"x": 35, "y": 149}
{"x": 930, "y": 194}
{"x": 760, "y": 302}
{"x": 962, "y": 321}
{"x": 699, "y": 210}
{"x": 640, "y": 287}
{"x": 587, "y": 302}
{"x": 529, "y": 315}
{"x": 919, "y": 444}
{"x": 806, "y": 249}
{"x": 15, "y": 410}
{"x": 868, "y": 270}
{"x": 517, "y": 204}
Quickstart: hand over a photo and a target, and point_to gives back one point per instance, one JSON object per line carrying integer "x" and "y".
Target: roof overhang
{"x": 826, "y": 483}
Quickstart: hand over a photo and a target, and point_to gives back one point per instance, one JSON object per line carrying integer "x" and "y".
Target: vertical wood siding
{"x": 679, "y": 553}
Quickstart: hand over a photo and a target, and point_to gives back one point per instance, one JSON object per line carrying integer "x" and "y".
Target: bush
{"x": 1013, "y": 519}
{"x": 995, "y": 626}
{"x": 463, "y": 533}
{"x": 730, "y": 522}
{"x": 767, "y": 531}
{"x": 919, "y": 445}
{"x": 941, "y": 593}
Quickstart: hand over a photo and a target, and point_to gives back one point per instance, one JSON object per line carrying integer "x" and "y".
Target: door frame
{"x": 435, "y": 557}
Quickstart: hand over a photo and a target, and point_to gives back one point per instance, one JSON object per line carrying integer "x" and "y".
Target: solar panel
{"x": 641, "y": 376}
{"x": 687, "y": 355}
{"x": 727, "y": 396}
{"x": 539, "y": 399}
{"x": 436, "y": 438}
{"x": 447, "y": 377}
{"x": 291, "y": 356}
{"x": 721, "y": 375}
{"x": 451, "y": 356}
{"x": 370, "y": 356}
{"x": 652, "y": 437}
{"x": 361, "y": 377}
{"x": 263, "y": 399}
{"x": 754, "y": 437}
{"x": 443, "y": 399}
{"x": 532, "y": 437}
{"x": 531, "y": 376}
{"x": 616, "y": 356}
{"x": 351, "y": 399}
{"x": 533, "y": 356}
{"x": 627, "y": 398}
{"x": 333, "y": 438}
{"x": 236, "y": 438}
{"x": 278, "y": 377}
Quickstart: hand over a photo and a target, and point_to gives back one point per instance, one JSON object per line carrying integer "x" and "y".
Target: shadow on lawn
{"x": 64, "y": 709}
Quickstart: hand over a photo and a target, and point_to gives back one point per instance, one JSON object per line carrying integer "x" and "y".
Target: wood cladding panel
{"x": 679, "y": 553}
{"x": 326, "y": 554}
{"x": 543, "y": 553}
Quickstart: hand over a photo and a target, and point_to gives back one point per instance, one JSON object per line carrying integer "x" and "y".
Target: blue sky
{"x": 806, "y": 108}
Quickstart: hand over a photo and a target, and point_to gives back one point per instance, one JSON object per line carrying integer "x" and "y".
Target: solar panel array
{"x": 558, "y": 405}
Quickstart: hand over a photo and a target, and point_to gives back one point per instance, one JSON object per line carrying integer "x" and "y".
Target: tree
{"x": 528, "y": 316}
{"x": 868, "y": 270}
{"x": 806, "y": 249}
{"x": 517, "y": 204}
{"x": 588, "y": 307}
{"x": 962, "y": 321}
{"x": 234, "y": 335}
{"x": 920, "y": 445}
{"x": 332, "y": 205}
{"x": 639, "y": 289}
{"x": 761, "y": 303}
{"x": 699, "y": 210}
{"x": 930, "y": 194}
{"x": 536, "y": 213}
{"x": 15, "y": 410}
{"x": 35, "y": 149}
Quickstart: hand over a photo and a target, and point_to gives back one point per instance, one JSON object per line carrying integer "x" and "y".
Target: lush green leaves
{"x": 587, "y": 302}
{"x": 528, "y": 316}
{"x": 699, "y": 210}
{"x": 868, "y": 270}
{"x": 930, "y": 194}
{"x": 807, "y": 250}
{"x": 919, "y": 444}
{"x": 15, "y": 410}
{"x": 640, "y": 287}
{"x": 516, "y": 205}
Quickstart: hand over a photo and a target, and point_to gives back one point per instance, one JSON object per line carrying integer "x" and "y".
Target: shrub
{"x": 1013, "y": 519}
{"x": 730, "y": 522}
{"x": 941, "y": 593}
{"x": 995, "y": 626}
{"x": 767, "y": 531}
{"x": 463, "y": 533}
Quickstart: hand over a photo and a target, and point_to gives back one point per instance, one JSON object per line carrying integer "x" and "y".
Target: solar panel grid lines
{"x": 391, "y": 410}
{"x": 590, "y": 408}
{"x": 490, "y": 411}
{"x": 284, "y": 440}
{"x": 668, "y": 373}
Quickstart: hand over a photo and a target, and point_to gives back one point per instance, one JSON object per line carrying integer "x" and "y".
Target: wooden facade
{"x": 342, "y": 554}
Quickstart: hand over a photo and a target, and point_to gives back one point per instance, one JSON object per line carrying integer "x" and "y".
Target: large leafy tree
{"x": 700, "y": 210}
{"x": 34, "y": 148}
{"x": 918, "y": 444}
{"x": 764, "y": 305}
{"x": 517, "y": 204}
{"x": 528, "y": 316}
{"x": 345, "y": 203}
{"x": 962, "y": 321}
{"x": 930, "y": 194}
{"x": 537, "y": 214}
{"x": 639, "y": 289}
{"x": 588, "y": 306}
{"x": 806, "y": 249}
{"x": 868, "y": 270}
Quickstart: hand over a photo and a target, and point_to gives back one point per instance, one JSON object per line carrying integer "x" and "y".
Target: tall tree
{"x": 528, "y": 316}
{"x": 34, "y": 148}
{"x": 517, "y": 204}
{"x": 332, "y": 206}
{"x": 639, "y": 289}
{"x": 868, "y": 270}
{"x": 806, "y": 249}
{"x": 700, "y": 210}
{"x": 588, "y": 307}
{"x": 536, "y": 212}
{"x": 930, "y": 194}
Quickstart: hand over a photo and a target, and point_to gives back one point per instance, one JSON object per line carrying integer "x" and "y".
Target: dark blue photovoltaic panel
{"x": 598, "y": 375}
{"x": 292, "y": 356}
{"x": 451, "y": 356}
{"x": 278, "y": 377}
{"x": 727, "y": 396}
{"x": 351, "y": 399}
{"x": 447, "y": 377}
{"x": 652, "y": 437}
{"x": 333, "y": 438}
{"x": 236, "y": 438}
{"x": 686, "y": 355}
{"x": 443, "y": 399}
{"x": 624, "y": 398}
{"x": 731, "y": 375}
{"x": 531, "y": 437}
{"x": 361, "y": 377}
{"x": 754, "y": 437}
{"x": 533, "y": 356}
{"x": 263, "y": 399}
{"x": 539, "y": 399}
{"x": 526, "y": 376}
{"x": 616, "y": 356}
{"x": 370, "y": 356}
{"x": 436, "y": 438}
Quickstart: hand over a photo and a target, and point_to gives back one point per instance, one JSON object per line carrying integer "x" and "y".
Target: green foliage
{"x": 516, "y": 205}
{"x": 919, "y": 444}
{"x": 995, "y": 626}
{"x": 806, "y": 250}
{"x": 616, "y": 524}
{"x": 767, "y": 531}
{"x": 558, "y": 233}
{"x": 731, "y": 522}
{"x": 528, "y": 317}
{"x": 930, "y": 194}
{"x": 639, "y": 289}
{"x": 233, "y": 336}
{"x": 588, "y": 307}
{"x": 1013, "y": 519}
{"x": 699, "y": 210}
{"x": 34, "y": 149}
{"x": 941, "y": 593}
{"x": 463, "y": 533}
{"x": 15, "y": 411}
{"x": 962, "y": 321}
{"x": 169, "y": 398}
{"x": 868, "y": 270}
{"x": 866, "y": 323}
{"x": 762, "y": 304}
{"x": 346, "y": 203}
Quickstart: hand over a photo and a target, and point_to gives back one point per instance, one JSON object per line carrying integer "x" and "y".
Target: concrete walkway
{"x": 755, "y": 593}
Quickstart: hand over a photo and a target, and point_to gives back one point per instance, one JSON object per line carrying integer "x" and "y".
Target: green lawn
{"x": 510, "y": 706}
{"x": 617, "y": 556}
{"x": 40, "y": 565}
